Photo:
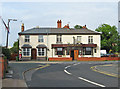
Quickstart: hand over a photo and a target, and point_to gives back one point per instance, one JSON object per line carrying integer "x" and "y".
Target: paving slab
{"x": 13, "y": 83}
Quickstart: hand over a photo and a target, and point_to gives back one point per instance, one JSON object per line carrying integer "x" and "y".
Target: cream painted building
{"x": 44, "y": 43}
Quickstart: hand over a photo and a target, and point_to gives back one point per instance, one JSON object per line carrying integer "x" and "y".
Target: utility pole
{"x": 8, "y": 30}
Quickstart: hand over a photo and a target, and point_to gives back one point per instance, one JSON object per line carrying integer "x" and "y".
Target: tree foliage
{"x": 14, "y": 49}
{"x": 78, "y": 27}
{"x": 109, "y": 37}
{"x": 6, "y": 52}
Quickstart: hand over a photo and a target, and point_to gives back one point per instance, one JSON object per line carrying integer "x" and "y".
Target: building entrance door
{"x": 72, "y": 54}
{"x": 75, "y": 54}
{"x": 33, "y": 54}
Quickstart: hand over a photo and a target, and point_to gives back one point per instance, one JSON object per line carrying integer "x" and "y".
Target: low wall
{"x": 85, "y": 59}
{"x": 3, "y": 66}
{"x": 98, "y": 58}
{"x": 60, "y": 59}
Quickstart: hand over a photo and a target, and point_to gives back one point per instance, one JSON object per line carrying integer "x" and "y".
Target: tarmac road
{"x": 71, "y": 75}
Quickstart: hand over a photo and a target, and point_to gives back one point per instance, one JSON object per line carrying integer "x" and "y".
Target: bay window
{"x": 26, "y": 52}
{"x": 41, "y": 51}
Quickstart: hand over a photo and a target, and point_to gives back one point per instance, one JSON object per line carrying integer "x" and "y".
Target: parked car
{"x": 103, "y": 55}
{"x": 109, "y": 55}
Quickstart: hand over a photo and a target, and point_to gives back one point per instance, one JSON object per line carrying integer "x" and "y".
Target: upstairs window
{"x": 78, "y": 39}
{"x": 90, "y": 39}
{"x": 40, "y": 38}
{"x": 59, "y": 38}
{"x": 27, "y": 38}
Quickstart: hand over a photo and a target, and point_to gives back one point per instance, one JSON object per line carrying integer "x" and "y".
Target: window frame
{"x": 40, "y": 38}
{"x": 59, "y": 52}
{"x": 26, "y": 51}
{"x": 95, "y": 50}
{"x": 79, "y": 37}
{"x": 27, "y": 38}
{"x": 41, "y": 51}
{"x": 59, "y": 38}
{"x": 88, "y": 52}
{"x": 90, "y": 39}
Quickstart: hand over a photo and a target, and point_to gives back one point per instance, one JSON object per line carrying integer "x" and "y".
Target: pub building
{"x": 61, "y": 42}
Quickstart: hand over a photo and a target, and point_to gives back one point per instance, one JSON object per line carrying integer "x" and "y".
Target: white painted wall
{"x": 51, "y": 39}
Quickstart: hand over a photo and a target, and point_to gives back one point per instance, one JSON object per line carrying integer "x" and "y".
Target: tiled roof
{"x": 57, "y": 31}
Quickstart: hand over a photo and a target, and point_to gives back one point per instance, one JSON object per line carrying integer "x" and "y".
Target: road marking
{"x": 67, "y": 72}
{"x": 67, "y": 67}
{"x": 91, "y": 82}
{"x": 75, "y": 64}
{"x": 42, "y": 67}
{"x": 104, "y": 72}
{"x": 23, "y": 74}
{"x": 83, "y": 78}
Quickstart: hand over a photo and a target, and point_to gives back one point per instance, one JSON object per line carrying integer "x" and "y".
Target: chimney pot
{"x": 22, "y": 27}
{"x": 59, "y": 24}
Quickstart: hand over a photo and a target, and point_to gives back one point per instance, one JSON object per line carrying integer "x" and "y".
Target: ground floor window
{"x": 80, "y": 52}
{"x": 41, "y": 51}
{"x": 59, "y": 51}
{"x": 95, "y": 50}
{"x": 88, "y": 51}
{"x": 26, "y": 51}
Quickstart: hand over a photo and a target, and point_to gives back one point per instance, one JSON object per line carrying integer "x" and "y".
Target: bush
{"x": 6, "y": 52}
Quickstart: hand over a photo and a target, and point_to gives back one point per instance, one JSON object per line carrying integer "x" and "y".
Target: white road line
{"x": 67, "y": 72}
{"x": 91, "y": 82}
{"x": 75, "y": 64}
{"x": 67, "y": 67}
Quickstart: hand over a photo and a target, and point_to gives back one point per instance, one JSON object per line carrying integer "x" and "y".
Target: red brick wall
{"x": 60, "y": 59}
{"x": 85, "y": 59}
{"x": 3, "y": 66}
{"x": 98, "y": 58}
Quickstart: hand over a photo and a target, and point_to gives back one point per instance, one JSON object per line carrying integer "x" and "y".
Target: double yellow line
{"x": 43, "y": 66}
{"x": 36, "y": 68}
{"x": 104, "y": 72}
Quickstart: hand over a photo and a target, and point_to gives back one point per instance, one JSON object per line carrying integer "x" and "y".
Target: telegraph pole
{"x": 8, "y": 30}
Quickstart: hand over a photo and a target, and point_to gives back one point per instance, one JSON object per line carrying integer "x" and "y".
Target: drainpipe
{"x": 47, "y": 44}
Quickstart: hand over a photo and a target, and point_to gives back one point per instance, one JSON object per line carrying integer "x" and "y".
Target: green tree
{"x": 109, "y": 37}
{"x": 15, "y": 48}
{"x": 6, "y": 52}
{"x": 78, "y": 27}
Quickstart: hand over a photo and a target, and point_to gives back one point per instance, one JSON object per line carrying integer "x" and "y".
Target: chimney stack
{"x": 59, "y": 24}
{"x": 66, "y": 26}
{"x": 84, "y": 26}
{"x": 22, "y": 27}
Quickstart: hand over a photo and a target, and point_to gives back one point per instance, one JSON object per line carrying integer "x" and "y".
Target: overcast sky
{"x": 46, "y": 14}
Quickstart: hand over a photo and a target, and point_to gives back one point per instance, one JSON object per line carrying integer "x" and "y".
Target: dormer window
{"x": 40, "y": 38}
{"x": 27, "y": 38}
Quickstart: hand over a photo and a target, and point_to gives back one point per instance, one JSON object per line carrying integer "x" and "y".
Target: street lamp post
{"x": 8, "y": 29}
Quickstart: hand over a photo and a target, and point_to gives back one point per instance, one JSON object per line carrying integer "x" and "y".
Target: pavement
{"x": 108, "y": 69}
{"x": 9, "y": 81}
{"x": 17, "y": 79}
